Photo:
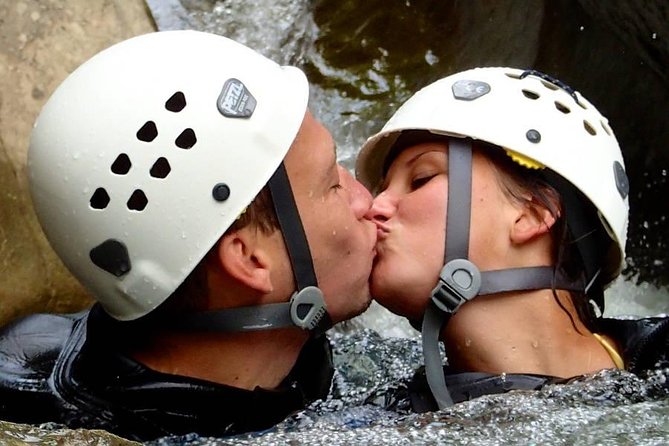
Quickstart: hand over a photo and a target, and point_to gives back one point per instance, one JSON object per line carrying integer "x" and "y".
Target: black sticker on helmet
{"x": 622, "y": 183}
{"x": 467, "y": 90}
{"x": 235, "y": 100}
{"x": 111, "y": 256}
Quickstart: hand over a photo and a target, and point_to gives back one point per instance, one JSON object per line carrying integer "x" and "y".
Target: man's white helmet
{"x": 539, "y": 121}
{"x": 147, "y": 153}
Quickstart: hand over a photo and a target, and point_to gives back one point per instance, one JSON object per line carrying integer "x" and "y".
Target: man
{"x": 182, "y": 180}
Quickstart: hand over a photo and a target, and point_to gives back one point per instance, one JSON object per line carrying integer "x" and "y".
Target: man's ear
{"x": 241, "y": 256}
{"x": 532, "y": 220}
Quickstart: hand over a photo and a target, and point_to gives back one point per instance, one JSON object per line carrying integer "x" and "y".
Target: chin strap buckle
{"x": 459, "y": 282}
{"x": 307, "y": 308}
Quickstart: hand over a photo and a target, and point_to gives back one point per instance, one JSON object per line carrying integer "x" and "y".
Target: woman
{"x": 502, "y": 215}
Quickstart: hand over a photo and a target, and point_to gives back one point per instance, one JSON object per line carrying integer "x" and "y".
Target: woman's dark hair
{"x": 543, "y": 190}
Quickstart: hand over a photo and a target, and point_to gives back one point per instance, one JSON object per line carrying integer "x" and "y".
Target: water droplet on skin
{"x": 535, "y": 344}
{"x": 468, "y": 342}
{"x": 334, "y": 232}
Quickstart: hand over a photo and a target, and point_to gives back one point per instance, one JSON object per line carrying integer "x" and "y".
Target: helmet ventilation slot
{"x": 137, "y": 201}
{"x": 549, "y": 85}
{"x": 530, "y": 94}
{"x": 605, "y": 127}
{"x": 176, "y": 102}
{"x": 121, "y": 165}
{"x": 186, "y": 139}
{"x": 148, "y": 132}
{"x": 100, "y": 199}
{"x": 589, "y": 128}
{"x": 561, "y": 107}
{"x": 161, "y": 168}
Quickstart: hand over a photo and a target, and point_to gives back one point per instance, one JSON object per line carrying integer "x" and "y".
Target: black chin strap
{"x": 306, "y": 308}
{"x": 460, "y": 280}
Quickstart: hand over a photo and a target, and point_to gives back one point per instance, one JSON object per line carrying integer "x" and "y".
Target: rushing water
{"x": 363, "y": 59}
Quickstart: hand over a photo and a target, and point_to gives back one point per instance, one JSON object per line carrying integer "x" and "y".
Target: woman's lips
{"x": 382, "y": 231}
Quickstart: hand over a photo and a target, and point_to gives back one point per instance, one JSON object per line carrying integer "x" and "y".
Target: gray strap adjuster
{"x": 307, "y": 308}
{"x": 459, "y": 281}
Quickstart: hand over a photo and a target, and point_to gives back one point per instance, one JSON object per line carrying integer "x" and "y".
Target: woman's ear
{"x": 241, "y": 256}
{"x": 533, "y": 220}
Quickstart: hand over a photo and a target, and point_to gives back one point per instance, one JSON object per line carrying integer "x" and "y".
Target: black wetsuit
{"x": 644, "y": 344}
{"x": 64, "y": 369}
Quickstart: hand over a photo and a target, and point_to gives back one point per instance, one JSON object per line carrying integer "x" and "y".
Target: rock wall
{"x": 41, "y": 42}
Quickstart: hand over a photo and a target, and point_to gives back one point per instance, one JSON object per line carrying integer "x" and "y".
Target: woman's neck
{"x": 523, "y": 333}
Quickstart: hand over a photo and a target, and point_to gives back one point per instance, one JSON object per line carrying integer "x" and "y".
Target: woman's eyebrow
{"x": 412, "y": 161}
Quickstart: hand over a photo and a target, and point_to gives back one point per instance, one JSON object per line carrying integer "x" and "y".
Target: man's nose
{"x": 359, "y": 196}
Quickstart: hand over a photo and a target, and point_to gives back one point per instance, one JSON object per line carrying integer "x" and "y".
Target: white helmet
{"x": 148, "y": 152}
{"x": 538, "y": 120}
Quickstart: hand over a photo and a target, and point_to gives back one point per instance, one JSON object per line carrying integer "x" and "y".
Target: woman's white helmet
{"x": 148, "y": 152}
{"x": 537, "y": 120}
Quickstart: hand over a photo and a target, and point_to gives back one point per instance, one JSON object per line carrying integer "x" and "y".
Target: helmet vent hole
{"x": 605, "y": 127}
{"x": 563, "y": 108}
{"x": 161, "y": 168}
{"x": 100, "y": 199}
{"x": 589, "y": 128}
{"x": 186, "y": 140}
{"x": 512, "y": 75}
{"x": 550, "y": 85}
{"x": 530, "y": 94}
{"x": 176, "y": 102}
{"x": 121, "y": 165}
{"x": 137, "y": 201}
{"x": 148, "y": 132}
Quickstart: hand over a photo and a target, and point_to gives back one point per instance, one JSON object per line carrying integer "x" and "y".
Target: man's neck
{"x": 243, "y": 360}
{"x": 523, "y": 333}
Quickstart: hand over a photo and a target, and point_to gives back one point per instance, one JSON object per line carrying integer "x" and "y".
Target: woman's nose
{"x": 383, "y": 207}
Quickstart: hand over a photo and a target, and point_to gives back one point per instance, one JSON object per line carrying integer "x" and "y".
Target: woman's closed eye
{"x": 420, "y": 180}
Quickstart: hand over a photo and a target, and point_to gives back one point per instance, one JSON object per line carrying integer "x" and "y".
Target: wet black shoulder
{"x": 469, "y": 385}
{"x": 644, "y": 342}
{"x": 29, "y": 348}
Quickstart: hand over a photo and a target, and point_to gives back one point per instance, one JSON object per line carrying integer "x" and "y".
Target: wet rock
{"x": 40, "y": 43}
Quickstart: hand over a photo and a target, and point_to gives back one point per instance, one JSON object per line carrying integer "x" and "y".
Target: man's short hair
{"x": 192, "y": 294}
